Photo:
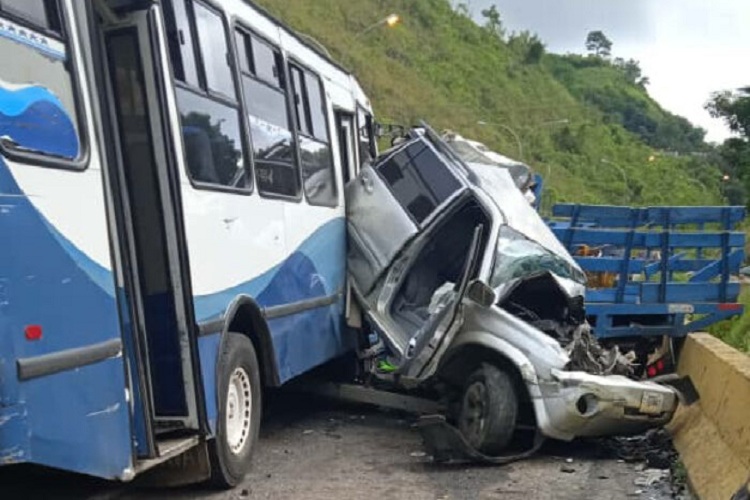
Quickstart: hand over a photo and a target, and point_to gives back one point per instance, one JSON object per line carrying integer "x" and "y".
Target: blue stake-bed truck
{"x": 654, "y": 273}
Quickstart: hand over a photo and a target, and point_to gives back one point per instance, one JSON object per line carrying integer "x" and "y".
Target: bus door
{"x": 164, "y": 370}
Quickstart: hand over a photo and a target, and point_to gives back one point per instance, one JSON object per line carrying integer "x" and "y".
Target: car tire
{"x": 489, "y": 406}
{"x": 238, "y": 422}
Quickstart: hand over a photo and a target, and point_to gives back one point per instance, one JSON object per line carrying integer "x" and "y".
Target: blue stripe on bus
{"x": 43, "y": 282}
{"x": 35, "y": 119}
{"x": 315, "y": 269}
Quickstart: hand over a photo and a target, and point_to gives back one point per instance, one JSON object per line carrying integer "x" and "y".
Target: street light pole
{"x": 391, "y": 20}
{"x": 562, "y": 121}
{"x": 317, "y": 44}
{"x": 511, "y": 132}
{"x": 618, "y": 167}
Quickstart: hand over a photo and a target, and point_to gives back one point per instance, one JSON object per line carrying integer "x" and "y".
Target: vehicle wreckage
{"x": 467, "y": 297}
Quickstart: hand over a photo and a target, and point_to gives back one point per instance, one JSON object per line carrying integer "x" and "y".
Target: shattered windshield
{"x": 517, "y": 256}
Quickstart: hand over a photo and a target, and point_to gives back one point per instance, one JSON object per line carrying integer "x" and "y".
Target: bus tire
{"x": 238, "y": 422}
{"x": 489, "y": 406}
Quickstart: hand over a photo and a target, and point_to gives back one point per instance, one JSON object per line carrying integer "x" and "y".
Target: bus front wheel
{"x": 238, "y": 423}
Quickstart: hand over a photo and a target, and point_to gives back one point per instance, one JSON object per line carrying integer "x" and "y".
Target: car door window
{"x": 418, "y": 179}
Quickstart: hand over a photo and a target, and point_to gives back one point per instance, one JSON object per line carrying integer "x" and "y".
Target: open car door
{"x": 378, "y": 228}
{"x": 389, "y": 203}
{"x": 433, "y": 338}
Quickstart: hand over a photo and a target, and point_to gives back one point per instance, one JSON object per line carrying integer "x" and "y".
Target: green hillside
{"x": 617, "y": 88}
{"x": 594, "y": 134}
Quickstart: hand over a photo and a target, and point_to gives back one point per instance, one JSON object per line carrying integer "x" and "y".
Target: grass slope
{"x": 587, "y": 129}
{"x": 440, "y": 66}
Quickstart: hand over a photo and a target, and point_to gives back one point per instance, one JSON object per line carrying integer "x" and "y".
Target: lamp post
{"x": 695, "y": 182}
{"x": 317, "y": 44}
{"x": 563, "y": 121}
{"x": 618, "y": 167}
{"x": 510, "y": 131}
{"x": 622, "y": 172}
{"x": 390, "y": 20}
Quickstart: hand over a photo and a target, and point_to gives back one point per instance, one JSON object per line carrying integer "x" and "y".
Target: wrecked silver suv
{"x": 473, "y": 299}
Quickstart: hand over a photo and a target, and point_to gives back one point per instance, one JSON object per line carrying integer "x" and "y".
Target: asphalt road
{"x": 319, "y": 450}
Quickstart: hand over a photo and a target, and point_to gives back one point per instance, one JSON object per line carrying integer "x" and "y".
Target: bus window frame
{"x": 58, "y": 35}
{"x": 71, "y": 63}
{"x": 371, "y": 130}
{"x": 324, "y": 102}
{"x": 240, "y": 25}
{"x": 204, "y": 91}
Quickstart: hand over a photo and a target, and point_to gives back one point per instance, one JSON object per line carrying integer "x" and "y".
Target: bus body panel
{"x": 279, "y": 252}
{"x": 208, "y": 352}
{"x": 62, "y": 398}
{"x": 61, "y": 271}
{"x": 42, "y": 270}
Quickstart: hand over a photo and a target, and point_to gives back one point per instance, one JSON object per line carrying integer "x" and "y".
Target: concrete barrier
{"x": 713, "y": 435}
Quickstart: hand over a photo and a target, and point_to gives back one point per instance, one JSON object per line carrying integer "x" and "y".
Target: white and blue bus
{"x": 172, "y": 228}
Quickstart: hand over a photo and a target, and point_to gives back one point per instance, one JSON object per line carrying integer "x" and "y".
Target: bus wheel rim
{"x": 238, "y": 410}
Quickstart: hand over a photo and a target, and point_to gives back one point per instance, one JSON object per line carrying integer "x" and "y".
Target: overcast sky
{"x": 687, "y": 48}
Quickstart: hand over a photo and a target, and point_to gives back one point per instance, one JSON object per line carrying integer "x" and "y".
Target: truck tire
{"x": 489, "y": 406}
{"x": 239, "y": 398}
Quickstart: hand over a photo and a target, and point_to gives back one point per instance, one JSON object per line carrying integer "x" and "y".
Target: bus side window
{"x": 261, "y": 74}
{"x": 39, "y": 118}
{"x": 206, "y": 97}
{"x": 181, "y": 43}
{"x": 318, "y": 176}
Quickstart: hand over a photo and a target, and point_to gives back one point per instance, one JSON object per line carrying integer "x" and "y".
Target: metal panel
{"x": 378, "y": 228}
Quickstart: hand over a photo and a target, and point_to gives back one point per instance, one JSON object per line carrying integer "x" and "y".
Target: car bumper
{"x": 578, "y": 404}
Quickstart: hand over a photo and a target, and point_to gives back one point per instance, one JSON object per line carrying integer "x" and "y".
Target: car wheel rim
{"x": 474, "y": 414}
{"x": 239, "y": 408}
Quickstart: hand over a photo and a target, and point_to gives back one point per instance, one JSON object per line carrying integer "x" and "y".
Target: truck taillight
{"x": 657, "y": 368}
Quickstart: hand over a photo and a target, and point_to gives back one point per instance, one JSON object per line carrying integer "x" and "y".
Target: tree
{"x": 735, "y": 156}
{"x": 535, "y": 52}
{"x": 733, "y": 106}
{"x": 630, "y": 68}
{"x": 462, "y": 8}
{"x": 598, "y": 44}
{"x": 528, "y": 45}
{"x": 493, "y": 22}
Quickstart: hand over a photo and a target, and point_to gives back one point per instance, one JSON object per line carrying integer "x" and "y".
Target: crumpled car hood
{"x": 518, "y": 214}
{"x": 568, "y": 286}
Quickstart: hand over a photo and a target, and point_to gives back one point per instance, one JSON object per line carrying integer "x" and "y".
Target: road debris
{"x": 660, "y": 469}
{"x": 649, "y": 477}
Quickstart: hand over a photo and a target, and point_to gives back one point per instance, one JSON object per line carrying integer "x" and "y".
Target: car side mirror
{"x": 481, "y": 293}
